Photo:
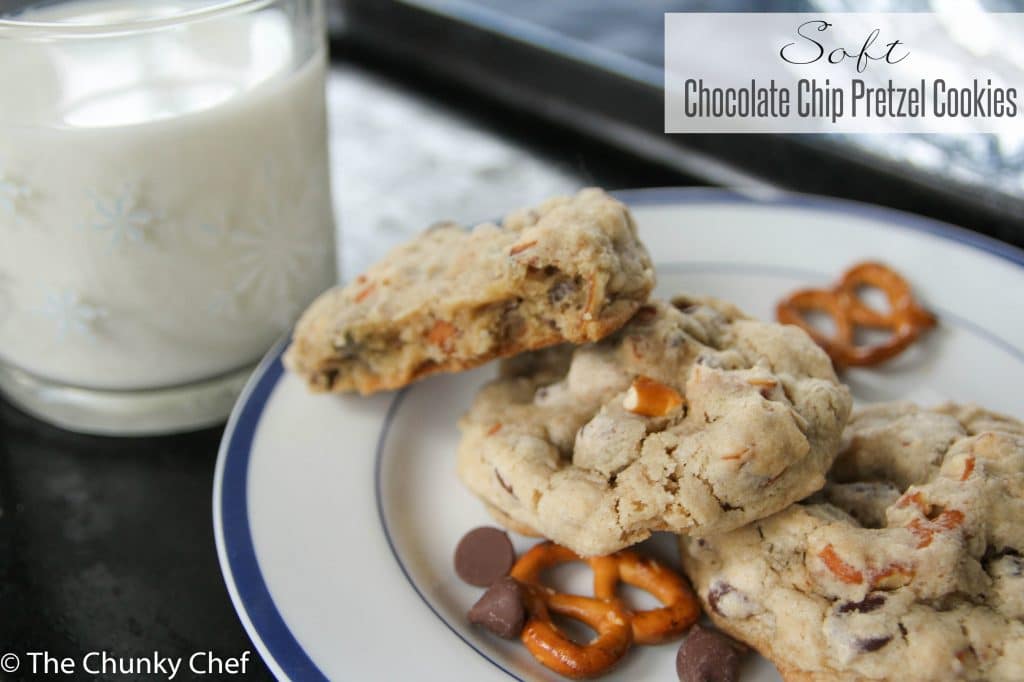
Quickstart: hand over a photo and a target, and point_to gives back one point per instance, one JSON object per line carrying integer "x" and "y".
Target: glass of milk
{"x": 165, "y": 208}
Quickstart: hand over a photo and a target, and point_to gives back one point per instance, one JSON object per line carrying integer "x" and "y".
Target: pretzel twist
{"x": 905, "y": 319}
{"x": 616, "y": 625}
{"x": 652, "y": 626}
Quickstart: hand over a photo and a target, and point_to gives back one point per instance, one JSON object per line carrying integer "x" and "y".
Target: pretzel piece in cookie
{"x": 906, "y": 320}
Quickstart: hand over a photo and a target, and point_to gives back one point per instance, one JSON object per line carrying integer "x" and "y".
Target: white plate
{"x": 336, "y": 517}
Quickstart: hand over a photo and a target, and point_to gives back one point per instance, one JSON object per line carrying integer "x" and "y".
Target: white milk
{"x": 165, "y": 209}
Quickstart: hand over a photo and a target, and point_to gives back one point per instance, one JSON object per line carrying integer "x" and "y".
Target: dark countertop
{"x": 107, "y": 545}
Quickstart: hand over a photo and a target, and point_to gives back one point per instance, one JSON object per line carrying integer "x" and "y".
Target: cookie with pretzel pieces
{"x": 571, "y": 269}
{"x": 693, "y": 418}
{"x": 908, "y": 565}
{"x": 905, "y": 320}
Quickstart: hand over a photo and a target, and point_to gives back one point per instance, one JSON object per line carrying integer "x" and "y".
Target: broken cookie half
{"x": 570, "y": 270}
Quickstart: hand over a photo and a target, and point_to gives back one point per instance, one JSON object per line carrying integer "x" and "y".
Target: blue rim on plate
{"x": 243, "y": 577}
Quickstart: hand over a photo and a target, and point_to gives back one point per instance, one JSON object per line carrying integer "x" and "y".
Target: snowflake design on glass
{"x": 212, "y": 231}
{"x": 273, "y": 254}
{"x": 12, "y": 193}
{"x": 271, "y": 259}
{"x": 121, "y": 217}
{"x": 71, "y": 315}
{"x": 224, "y": 305}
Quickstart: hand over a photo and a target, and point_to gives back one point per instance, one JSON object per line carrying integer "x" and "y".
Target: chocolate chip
{"x": 870, "y": 644}
{"x": 645, "y": 314}
{"x": 511, "y": 326}
{"x": 716, "y": 592}
{"x": 676, "y": 339}
{"x": 560, "y": 290}
{"x": 867, "y": 605}
{"x": 347, "y": 346}
{"x": 708, "y": 656}
{"x": 502, "y": 609}
{"x": 711, "y": 361}
{"x": 483, "y": 555}
{"x": 991, "y": 553}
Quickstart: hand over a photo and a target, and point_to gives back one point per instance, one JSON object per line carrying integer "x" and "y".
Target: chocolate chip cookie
{"x": 906, "y": 566}
{"x": 570, "y": 270}
{"x": 692, "y": 418}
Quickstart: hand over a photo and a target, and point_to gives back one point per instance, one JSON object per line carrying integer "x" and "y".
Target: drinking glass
{"x": 165, "y": 208}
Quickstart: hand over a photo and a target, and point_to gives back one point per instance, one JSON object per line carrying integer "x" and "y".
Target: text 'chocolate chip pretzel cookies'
{"x": 570, "y": 270}
{"x": 692, "y": 418}
{"x": 907, "y": 566}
